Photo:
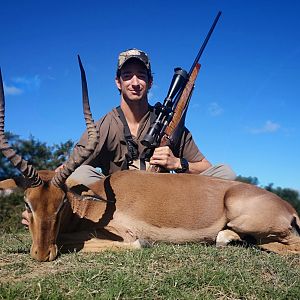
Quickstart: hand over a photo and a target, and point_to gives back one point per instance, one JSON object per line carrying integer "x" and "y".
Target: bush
{"x": 11, "y": 208}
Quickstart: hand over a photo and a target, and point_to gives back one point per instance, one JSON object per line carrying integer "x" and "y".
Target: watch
{"x": 184, "y": 166}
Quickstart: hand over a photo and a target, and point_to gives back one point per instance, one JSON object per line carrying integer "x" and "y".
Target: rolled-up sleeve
{"x": 188, "y": 148}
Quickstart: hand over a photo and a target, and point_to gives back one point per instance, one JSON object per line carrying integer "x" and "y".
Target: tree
{"x": 38, "y": 154}
{"x": 249, "y": 179}
{"x": 6, "y": 169}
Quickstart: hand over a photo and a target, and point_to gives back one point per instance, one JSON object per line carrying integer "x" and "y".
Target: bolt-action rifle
{"x": 169, "y": 123}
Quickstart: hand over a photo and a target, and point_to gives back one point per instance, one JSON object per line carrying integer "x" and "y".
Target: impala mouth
{"x": 53, "y": 252}
{"x": 44, "y": 255}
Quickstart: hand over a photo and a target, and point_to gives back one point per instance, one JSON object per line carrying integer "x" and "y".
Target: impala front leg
{"x": 94, "y": 242}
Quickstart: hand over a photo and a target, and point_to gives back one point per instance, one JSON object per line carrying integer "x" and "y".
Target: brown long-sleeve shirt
{"x": 110, "y": 153}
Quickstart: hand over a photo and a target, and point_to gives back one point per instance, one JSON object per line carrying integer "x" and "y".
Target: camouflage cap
{"x": 134, "y": 53}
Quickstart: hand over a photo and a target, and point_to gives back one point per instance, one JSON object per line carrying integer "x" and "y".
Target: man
{"x": 122, "y": 130}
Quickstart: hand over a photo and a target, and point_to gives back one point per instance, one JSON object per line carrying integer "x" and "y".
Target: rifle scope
{"x": 179, "y": 80}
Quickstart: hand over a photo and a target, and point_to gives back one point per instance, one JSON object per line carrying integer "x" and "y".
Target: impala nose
{"x": 43, "y": 255}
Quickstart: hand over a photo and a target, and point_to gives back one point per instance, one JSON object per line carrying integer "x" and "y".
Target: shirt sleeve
{"x": 103, "y": 129}
{"x": 188, "y": 148}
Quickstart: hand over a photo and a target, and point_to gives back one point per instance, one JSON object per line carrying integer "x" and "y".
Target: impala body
{"x": 130, "y": 209}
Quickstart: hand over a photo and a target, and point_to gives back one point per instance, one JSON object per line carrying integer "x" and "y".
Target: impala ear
{"x": 78, "y": 189}
{"x": 82, "y": 192}
{"x": 84, "y": 205}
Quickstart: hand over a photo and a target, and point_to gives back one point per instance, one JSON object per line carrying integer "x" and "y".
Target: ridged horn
{"x": 79, "y": 155}
{"x": 27, "y": 170}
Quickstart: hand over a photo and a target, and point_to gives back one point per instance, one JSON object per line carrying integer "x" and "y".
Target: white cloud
{"x": 215, "y": 109}
{"x": 268, "y": 127}
{"x": 12, "y": 90}
{"x": 22, "y": 84}
{"x": 28, "y": 83}
{"x": 195, "y": 105}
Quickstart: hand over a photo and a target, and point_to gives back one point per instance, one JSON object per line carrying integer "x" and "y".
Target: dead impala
{"x": 131, "y": 208}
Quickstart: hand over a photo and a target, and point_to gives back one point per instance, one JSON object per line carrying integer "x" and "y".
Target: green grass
{"x": 162, "y": 272}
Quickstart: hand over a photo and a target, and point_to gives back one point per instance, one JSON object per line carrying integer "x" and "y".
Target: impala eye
{"x": 27, "y": 206}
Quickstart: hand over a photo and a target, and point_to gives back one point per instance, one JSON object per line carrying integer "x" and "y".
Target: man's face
{"x": 134, "y": 81}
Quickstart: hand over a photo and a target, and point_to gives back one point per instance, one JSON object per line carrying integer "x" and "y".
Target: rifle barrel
{"x": 205, "y": 42}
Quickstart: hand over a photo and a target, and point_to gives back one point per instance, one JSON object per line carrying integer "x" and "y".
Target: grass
{"x": 162, "y": 272}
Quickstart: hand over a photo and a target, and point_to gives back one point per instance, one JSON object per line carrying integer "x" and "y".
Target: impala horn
{"x": 28, "y": 171}
{"x": 79, "y": 155}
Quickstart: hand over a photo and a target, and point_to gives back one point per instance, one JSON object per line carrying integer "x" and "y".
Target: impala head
{"x": 45, "y": 191}
{"x": 44, "y": 205}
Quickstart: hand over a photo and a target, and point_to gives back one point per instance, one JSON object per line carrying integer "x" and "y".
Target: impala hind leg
{"x": 226, "y": 236}
{"x": 275, "y": 234}
{"x": 290, "y": 246}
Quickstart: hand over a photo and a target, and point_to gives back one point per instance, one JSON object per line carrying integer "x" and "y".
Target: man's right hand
{"x": 58, "y": 168}
{"x": 25, "y": 218}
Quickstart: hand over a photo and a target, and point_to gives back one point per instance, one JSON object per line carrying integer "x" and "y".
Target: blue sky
{"x": 245, "y": 107}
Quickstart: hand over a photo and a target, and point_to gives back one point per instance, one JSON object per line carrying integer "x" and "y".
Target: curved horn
{"x": 27, "y": 170}
{"x": 79, "y": 155}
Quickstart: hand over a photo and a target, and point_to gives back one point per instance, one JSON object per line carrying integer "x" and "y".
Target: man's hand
{"x": 58, "y": 168}
{"x": 25, "y": 218}
{"x": 164, "y": 157}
